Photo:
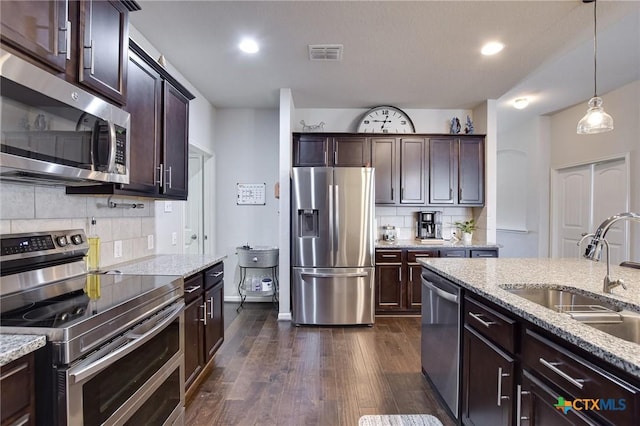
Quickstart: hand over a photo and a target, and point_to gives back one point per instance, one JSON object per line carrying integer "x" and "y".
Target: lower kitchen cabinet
{"x": 204, "y": 322}
{"x": 17, "y": 393}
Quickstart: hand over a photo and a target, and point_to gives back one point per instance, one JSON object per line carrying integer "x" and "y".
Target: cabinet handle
{"x": 191, "y": 289}
{"x": 335, "y": 156}
{"x": 411, "y": 275}
{"x": 170, "y": 180}
{"x": 24, "y": 420}
{"x": 391, "y": 194}
{"x": 210, "y": 307}
{"x": 500, "y": 376}
{"x": 460, "y": 194}
{"x": 204, "y": 313}
{"x": 450, "y": 193}
{"x": 217, "y": 274}
{"x": 388, "y": 255}
{"x": 402, "y": 193}
{"x": 519, "y": 416}
{"x": 160, "y": 174}
{"x": 553, "y": 367}
{"x": 480, "y": 320}
{"x": 326, "y": 157}
{"x": 400, "y": 274}
{"x": 14, "y": 370}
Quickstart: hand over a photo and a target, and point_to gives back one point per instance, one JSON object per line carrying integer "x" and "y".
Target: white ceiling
{"x": 411, "y": 54}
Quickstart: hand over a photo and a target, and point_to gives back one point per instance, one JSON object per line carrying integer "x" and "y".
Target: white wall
{"x": 569, "y": 148}
{"x": 247, "y": 152}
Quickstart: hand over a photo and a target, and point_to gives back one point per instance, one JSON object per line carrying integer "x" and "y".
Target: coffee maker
{"x": 429, "y": 225}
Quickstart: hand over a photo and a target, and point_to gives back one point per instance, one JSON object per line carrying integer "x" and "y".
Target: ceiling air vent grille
{"x": 325, "y": 52}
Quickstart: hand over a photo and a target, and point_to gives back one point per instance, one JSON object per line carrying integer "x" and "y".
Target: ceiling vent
{"x": 325, "y": 52}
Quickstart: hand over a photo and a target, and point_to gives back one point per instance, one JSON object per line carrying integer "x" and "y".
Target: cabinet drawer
{"x": 193, "y": 288}
{"x": 453, "y": 253}
{"x": 413, "y": 256}
{"x": 492, "y": 324}
{"x": 214, "y": 275}
{"x": 484, "y": 253}
{"x": 580, "y": 379}
{"x": 388, "y": 256}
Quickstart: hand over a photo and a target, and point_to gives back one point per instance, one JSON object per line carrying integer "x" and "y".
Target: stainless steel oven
{"x": 115, "y": 343}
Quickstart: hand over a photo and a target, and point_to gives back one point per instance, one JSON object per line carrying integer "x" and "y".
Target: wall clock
{"x": 386, "y": 119}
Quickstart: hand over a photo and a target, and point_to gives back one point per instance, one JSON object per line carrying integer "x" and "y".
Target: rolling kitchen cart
{"x": 258, "y": 258}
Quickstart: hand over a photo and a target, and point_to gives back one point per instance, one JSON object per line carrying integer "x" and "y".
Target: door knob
{"x": 194, "y": 237}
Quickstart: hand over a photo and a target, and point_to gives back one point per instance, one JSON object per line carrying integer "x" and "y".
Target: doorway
{"x": 583, "y": 197}
{"x": 194, "y": 207}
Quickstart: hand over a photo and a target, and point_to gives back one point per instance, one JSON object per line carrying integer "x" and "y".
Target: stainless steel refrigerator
{"x": 333, "y": 245}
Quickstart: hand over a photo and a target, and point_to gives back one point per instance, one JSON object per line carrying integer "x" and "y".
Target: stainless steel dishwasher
{"x": 441, "y": 336}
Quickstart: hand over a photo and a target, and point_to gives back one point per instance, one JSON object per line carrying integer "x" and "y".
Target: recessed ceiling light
{"x": 249, "y": 45}
{"x": 521, "y": 103}
{"x": 492, "y": 48}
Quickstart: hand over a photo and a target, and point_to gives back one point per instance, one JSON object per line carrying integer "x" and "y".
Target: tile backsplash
{"x": 29, "y": 208}
{"x": 404, "y": 219}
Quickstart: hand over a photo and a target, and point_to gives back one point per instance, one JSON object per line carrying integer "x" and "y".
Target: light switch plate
{"x": 168, "y": 206}
{"x": 117, "y": 249}
{"x": 150, "y": 242}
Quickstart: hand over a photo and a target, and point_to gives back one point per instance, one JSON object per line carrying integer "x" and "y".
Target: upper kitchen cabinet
{"x": 83, "y": 41}
{"x": 159, "y": 108}
{"x": 323, "y": 150}
{"x": 456, "y": 171}
{"x": 384, "y": 153}
{"x": 412, "y": 170}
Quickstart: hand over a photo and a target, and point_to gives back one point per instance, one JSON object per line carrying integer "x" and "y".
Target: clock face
{"x": 386, "y": 119}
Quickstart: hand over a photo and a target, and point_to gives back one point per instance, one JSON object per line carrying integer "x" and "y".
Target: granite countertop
{"x": 14, "y": 346}
{"x": 489, "y": 276}
{"x": 183, "y": 265}
{"x": 448, "y": 244}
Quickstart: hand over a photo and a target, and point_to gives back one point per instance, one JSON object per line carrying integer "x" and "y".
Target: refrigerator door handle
{"x": 332, "y": 216}
{"x": 336, "y": 222}
{"x": 333, "y": 275}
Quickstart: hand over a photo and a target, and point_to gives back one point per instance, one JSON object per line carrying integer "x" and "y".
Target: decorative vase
{"x": 466, "y": 237}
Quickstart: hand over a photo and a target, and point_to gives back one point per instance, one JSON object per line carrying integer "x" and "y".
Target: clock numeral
{"x": 366, "y": 121}
{"x": 385, "y": 112}
{"x": 403, "y": 122}
{"x": 385, "y": 130}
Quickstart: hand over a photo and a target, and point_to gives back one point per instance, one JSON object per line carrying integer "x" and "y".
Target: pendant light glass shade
{"x": 596, "y": 120}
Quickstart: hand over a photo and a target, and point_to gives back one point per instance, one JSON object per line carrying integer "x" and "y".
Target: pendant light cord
{"x": 595, "y": 49}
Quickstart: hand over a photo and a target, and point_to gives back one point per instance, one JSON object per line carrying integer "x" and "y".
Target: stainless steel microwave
{"x": 53, "y": 132}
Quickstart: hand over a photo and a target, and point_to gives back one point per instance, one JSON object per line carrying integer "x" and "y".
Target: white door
{"x": 193, "y": 224}
{"x": 584, "y": 196}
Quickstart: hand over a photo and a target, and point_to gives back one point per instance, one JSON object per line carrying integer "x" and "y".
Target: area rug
{"x": 399, "y": 420}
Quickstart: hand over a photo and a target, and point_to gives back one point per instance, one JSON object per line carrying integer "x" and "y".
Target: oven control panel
{"x": 48, "y": 242}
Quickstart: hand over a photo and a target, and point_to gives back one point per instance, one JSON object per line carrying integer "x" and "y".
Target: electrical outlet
{"x": 150, "y": 242}
{"x": 168, "y": 206}
{"x": 117, "y": 249}
{"x": 174, "y": 238}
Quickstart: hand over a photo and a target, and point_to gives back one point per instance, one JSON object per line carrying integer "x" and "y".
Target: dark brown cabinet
{"x": 384, "y": 157}
{"x": 489, "y": 341}
{"x": 322, "y": 150}
{"x": 204, "y": 321}
{"x": 398, "y": 284}
{"x": 17, "y": 392}
{"x": 159, "y": 108}
{"x": 456, "y": 171}
{"x": 412, "y": 170}
{"x": 85, "y": 42}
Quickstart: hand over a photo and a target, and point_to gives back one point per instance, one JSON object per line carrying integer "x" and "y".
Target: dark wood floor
{"x": 272, "y": 373}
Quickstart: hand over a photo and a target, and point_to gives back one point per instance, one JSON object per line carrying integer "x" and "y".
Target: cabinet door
{"x": 442, "y": 182}
{"x": 453, "y": 253}
{"x": 39, "y": 29}
{"x": 144, "y": 101}
{"x": 104, "y": 43}
{"x": 384, "y": 152}
{"x": 351, "y": 151}
{"x": 193, "y": 336}
{"x": 414, "y": 287}
{"x": 311, "y": 150}
{"x": 471, "y": 171}
{"x": 412, "y": 171}
{"x": 389, "y": 287}
{"x": 488, "y": 382}
{"x": 537, "y": 402}
{"x": 17, "y": 392}
{"x": 175, "y": 142}
{"x": 214, "y": 330}
{"x": 484, "y": 253}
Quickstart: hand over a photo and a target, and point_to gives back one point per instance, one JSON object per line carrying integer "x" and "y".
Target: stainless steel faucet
{"x": 594, "y": 249}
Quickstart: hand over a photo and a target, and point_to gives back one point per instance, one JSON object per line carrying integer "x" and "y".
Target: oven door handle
{"x": 85, "y": 369}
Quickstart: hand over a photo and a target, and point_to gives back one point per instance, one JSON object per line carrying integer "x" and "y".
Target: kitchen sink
{"x": 601, "y": 315}
{"x": 562, "y": 300}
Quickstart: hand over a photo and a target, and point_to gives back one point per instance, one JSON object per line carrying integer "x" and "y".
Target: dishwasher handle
{"x": 451, "y": 297}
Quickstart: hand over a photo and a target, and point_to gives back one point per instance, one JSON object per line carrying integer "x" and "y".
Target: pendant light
{"x": 596, "y": 120}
